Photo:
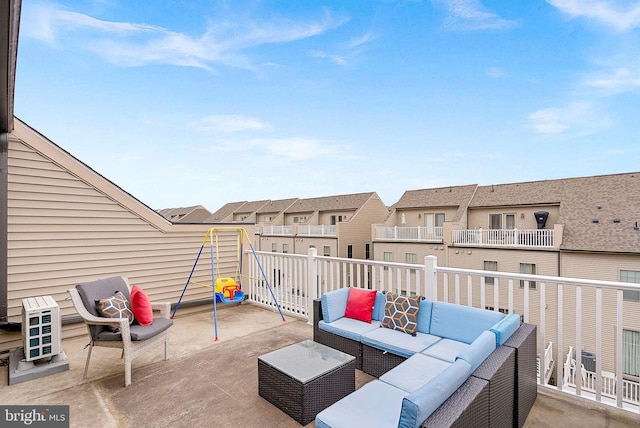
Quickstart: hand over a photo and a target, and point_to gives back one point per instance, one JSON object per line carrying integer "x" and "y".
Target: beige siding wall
{"x": 67, "y": 225}
{"x": 479, "y": 217}
{"x": 418, "y": 216}
{"x": 357, "y": 231}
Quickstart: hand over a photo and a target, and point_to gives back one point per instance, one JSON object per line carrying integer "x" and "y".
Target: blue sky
{"x": 207, "y": 102}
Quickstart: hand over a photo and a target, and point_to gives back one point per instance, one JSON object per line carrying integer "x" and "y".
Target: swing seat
{"x": 238, "y": 296}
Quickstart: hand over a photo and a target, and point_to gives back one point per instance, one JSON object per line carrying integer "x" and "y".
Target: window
{"x": 367, "y": 251}
{"x": 510, "y": 220}
{"x": 411, "y": 258}
{"x": 495, "y": 221}
{"x": 633, "y": 277}
{"x": 327, "y": 250}
{"x": 349, "y": 251}
{"x": 274, "y": 247}
{"x": 529, "y": 269}
{"x": 493, "y": 266}
{"x": 631, "y": 351}
{"x": 434, "y": 220}
{"x": 335, "y": 218}
{"x": 285, "y": 248}
{"x": 387, "y": 257}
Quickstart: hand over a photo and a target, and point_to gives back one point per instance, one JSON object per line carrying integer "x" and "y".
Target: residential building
{"x": 194, "y": 214}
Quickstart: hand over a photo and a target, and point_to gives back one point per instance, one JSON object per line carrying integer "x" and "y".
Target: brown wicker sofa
{"x": 500, "y": 392}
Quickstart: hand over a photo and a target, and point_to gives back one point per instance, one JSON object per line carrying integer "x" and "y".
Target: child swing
{"x": 226, "y": 289}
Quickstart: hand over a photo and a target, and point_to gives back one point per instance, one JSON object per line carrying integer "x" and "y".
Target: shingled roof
{"x": 452, "y": 196}
{"x": 599, "y": 213}
{"x": 224, "y": 212}
{"x": 331, "y": 203}
{"x": 251, "y": 207}
{"x": 277, "y": 206}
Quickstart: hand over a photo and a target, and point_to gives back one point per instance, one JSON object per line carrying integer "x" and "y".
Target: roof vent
{"x": 595, "y": 221}
{"x": 616, "y": 220}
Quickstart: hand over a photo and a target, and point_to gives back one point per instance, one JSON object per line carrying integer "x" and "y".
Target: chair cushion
{"x": 360, "y": 304}
{"x": 424, "y": 316}
{"x": 378, "y": 306}
{"x": 334, "y": 303}
{"x": 138, "y": 332}
{"x": 376, "y": 404}
{"x": 401, "y": 313}
{"x": 414, "y": 372}
{"x": 446, "y": 350}
{"x": 396, "y": 342}
{"x": 505, "y": 328}
{"x": 349, "y": 328}
{"x": 461, "y": 323}
{"x": 116, "y": 306}
{"x": 141, "y": 306}
{"x": 100, "y": 289}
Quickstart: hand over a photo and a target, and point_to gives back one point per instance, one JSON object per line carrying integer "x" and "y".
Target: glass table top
{"x": 306, "y": 360}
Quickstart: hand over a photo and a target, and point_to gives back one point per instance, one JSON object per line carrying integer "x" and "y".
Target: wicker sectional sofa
{"x": 456, "y": 368}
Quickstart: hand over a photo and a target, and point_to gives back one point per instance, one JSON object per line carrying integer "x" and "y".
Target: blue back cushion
{"x": 505, "y": 328}
{"x": 334, "y": 303}
{"x": 424, "y": 316}
{"x": 378, "y": 307}
{"x": 461, "y": 323}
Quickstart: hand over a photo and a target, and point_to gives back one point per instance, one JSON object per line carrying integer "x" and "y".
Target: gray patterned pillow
{"x": 401, "y": 313}
{"x": 116, "y": 306}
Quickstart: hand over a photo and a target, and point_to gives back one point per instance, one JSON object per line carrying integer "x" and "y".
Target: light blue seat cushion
{"x": 334, "y": 304}
{"x": 397, "y": 342}
{"x": 479, "y": 350}
{"x": 420, "y": 404}
{"x": 424, "y": 316}
{"x": 378, "y": 307}
{"x": 416, "y": 371}
{"x": 376, "y": 405}
{"x": 349, "y": 328}
{"x": 461, "y": 323}
{"x": 505, "y": 328}
{"x": 446, "y": 350}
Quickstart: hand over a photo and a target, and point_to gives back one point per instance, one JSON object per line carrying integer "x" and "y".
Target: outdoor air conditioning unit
{"x": 589, "y": 361}
{"x": 40, "y": 328}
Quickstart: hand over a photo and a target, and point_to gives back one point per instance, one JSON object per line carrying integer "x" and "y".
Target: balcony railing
{"x": 277, "y": 230}
{"x": 554, "y": 304}
{"x": 543, "y": 238}
{"x": 409, "y": 233}
{"x": 317, "y": 230}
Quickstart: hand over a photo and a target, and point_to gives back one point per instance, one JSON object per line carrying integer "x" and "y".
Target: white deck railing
{"x": 277, "y": 230}
{"x": 317, "y": 230}
{"x": 504, "y": 237}
{"x": 554, "y": 304}
{"x": 409, "y": 233}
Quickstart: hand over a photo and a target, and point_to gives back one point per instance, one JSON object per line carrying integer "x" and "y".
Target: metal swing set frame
{"x": 237, "y": 295}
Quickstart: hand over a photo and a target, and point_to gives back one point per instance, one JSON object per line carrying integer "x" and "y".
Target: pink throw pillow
{"x": 141, "y": 306}
{"x": 360, "y": 304}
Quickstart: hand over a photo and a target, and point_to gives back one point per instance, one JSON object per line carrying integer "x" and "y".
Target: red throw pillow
{"x": 141, "y": 306}
{"x": 360, "y": 304}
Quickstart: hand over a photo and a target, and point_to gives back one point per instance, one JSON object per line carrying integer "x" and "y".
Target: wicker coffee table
{"x": 305, "y": 378}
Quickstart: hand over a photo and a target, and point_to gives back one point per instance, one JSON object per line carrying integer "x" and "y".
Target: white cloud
{"x": 578, "y": 118}
{"x": 621, "y": 15}
{"x": 227, "y": 123}
{"x": 135, "y": 44}
{"x": 472, "y": 15}
{"x": 619, "y": 80}
{"x": 297, "y": 148}
{"x": 336, "y": 59}
{"x": 496, "y": 72}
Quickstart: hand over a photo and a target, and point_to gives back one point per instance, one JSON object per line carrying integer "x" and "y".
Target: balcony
{"x": 409, "y": 233}
{"x": 207, "y": 383}
{"x": 276, "y": 230}
{"x": 317, "y": 230}
{"x": 525, "y": 238}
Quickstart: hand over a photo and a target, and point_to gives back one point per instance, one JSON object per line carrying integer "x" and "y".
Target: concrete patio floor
{"x": 215, "y": 384}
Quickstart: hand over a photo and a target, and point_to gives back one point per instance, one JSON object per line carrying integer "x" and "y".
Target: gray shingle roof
{"x": 277, "y": 206}
{"x": 225, "y": 211}
{"x": 330, "y": 203}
